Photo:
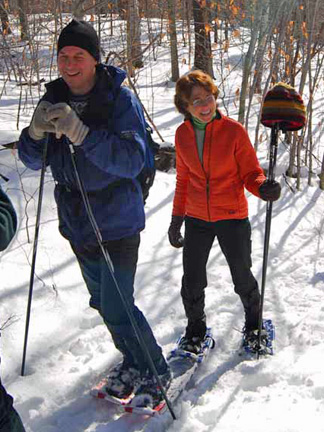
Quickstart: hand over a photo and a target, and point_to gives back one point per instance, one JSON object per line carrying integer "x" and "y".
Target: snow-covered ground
{"x": 70, "y": 349}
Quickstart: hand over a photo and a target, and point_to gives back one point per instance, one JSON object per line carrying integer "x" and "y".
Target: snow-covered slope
{"x": 70, "y": 349}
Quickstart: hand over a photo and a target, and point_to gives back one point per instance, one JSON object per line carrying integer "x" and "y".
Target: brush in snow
{"x": 183, "y": 366}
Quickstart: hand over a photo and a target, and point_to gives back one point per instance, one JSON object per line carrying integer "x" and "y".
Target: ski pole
{"x": 271, "y": 171}
{"x": 32, "y": 270}
{"x": 120, "y": 292}
{"x": 4, "y": 177}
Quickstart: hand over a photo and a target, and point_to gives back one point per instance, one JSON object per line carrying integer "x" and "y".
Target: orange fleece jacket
{"x": 214, "y": 190}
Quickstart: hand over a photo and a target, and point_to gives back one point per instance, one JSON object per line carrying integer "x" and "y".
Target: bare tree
{"x": 249, "y": 57}
{"x": 308, "y": 35}
{"x": 173, "y": 38}
{"x": 203, "y": 54}
{"x": 280, "y": 14}
{"x": 134, "y": 49}
{"x": 321, "y": 176}
{"x": 22, "y": 12}
{"x": 4, "y": 17}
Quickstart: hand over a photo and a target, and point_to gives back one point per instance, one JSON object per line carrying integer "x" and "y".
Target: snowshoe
{"x": 122, "y": 381}
{"x": 194, "y": 347}
{"x": 250, "y": 341}
{"x": 148, "y": 393}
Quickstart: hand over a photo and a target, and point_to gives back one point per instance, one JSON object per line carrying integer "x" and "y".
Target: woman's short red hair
{"x": 184, "y": 87}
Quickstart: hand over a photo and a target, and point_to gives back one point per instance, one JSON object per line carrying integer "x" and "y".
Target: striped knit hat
{"x": 283, "y": 105}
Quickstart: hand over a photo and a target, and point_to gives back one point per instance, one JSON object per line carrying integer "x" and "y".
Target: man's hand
{"x": 39, "y": 124}
{"x": 66, "y": 122}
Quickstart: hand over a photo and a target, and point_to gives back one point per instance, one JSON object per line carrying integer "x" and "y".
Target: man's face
{"x": 78, "y": 69}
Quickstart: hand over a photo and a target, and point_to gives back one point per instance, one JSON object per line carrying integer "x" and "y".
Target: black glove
{"x": 270, "y": 190}
{"x": 175, "y": 237}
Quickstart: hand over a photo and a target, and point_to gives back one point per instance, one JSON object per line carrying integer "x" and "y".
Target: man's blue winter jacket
{"x": 108, "y": 161}
{"x": 8, "y": 220}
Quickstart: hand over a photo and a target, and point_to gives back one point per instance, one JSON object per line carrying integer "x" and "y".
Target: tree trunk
{"x": 23, "y": 20}
{"x": 134, "y": 50}
{"x": 296, "y": 146}
{"x": 122, "y": 6}
{"x": 173, "y": 38}
{"x": 309, "y": 49}
{"x": 280, "y": 14}
{"x": 203, "y": 55}
{"x": 322, "y": 175}
{"x": 263, "y": 39}
{"x": 249, "y": 58}
{"x": 300, "y": 140}
{"x": 188, "y": 19}
{"x": 4, "y": 18}
{"x": 292, "y": 155}
{"x": 77, "y": 9}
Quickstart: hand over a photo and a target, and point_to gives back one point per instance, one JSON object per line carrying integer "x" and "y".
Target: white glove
{"x": 66, "y": 122}
{"x": 39, "y": 124}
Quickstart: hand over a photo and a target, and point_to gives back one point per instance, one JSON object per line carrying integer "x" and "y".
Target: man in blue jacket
{"x": 9, "y": 418}
{"x": 88, "y": 108}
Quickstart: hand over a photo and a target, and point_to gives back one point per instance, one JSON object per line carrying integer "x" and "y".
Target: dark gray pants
{"x": 234, "y": 237}
{"x": 9, "y": 418}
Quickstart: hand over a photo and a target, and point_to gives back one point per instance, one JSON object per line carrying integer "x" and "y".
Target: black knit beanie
{"x": 81, "y": 34}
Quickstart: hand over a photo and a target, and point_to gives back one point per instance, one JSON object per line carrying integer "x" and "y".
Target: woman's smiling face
{"x": 202, "y": 104}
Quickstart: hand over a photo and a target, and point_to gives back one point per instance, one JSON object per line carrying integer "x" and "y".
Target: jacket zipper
{"x": 207, "y": 190}
{"x": 207, "y": 181}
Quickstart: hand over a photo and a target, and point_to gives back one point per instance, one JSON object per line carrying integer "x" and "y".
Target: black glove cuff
{"x": 177, "y": 221}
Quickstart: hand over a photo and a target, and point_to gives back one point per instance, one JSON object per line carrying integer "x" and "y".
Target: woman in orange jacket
{"x": 215, "y": 161}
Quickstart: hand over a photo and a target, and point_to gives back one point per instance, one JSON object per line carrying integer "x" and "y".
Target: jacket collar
{"x": 102, "y": 96}
{"x": 219, "y": 116}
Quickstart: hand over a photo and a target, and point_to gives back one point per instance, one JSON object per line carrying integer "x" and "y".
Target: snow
{"x": 69, "y": 348}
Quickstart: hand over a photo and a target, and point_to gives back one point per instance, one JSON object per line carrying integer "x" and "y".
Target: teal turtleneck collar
{"x": 198, "y": 124}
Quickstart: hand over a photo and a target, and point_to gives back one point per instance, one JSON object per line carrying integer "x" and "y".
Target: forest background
{"x": 278, "y": 40}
